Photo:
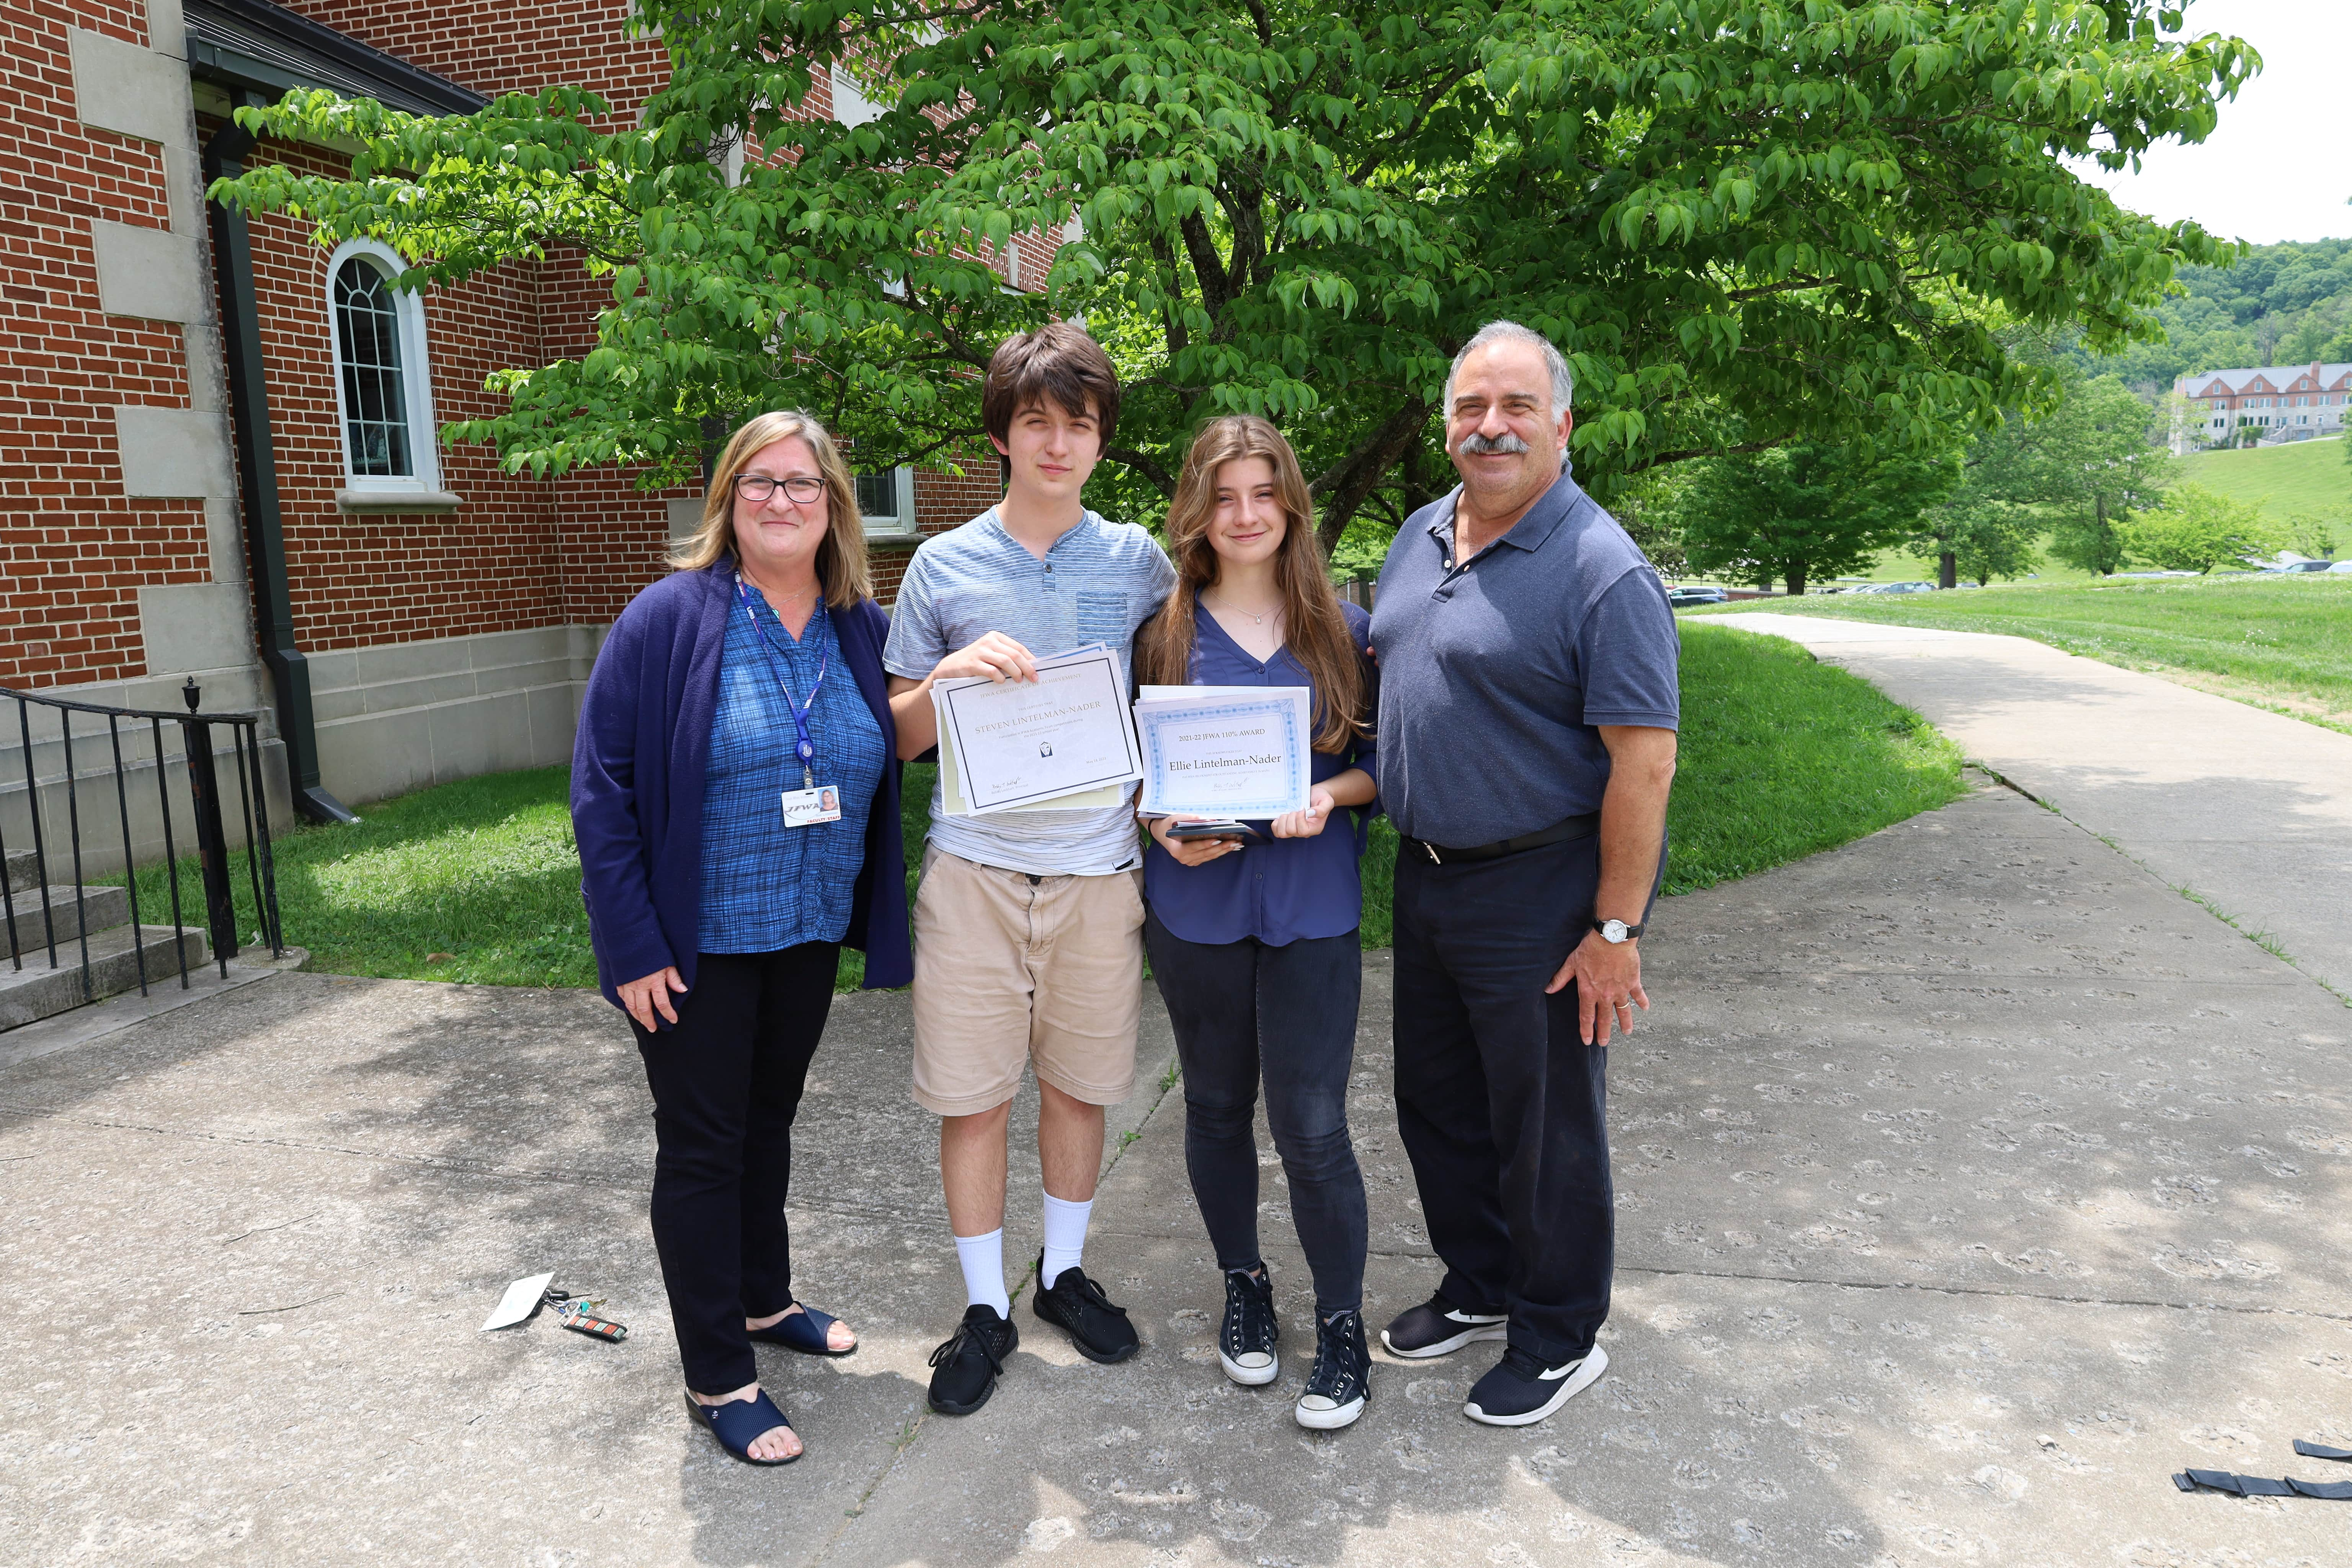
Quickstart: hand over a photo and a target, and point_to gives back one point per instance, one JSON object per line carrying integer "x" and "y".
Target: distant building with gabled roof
{"x": 2282, "y": 403}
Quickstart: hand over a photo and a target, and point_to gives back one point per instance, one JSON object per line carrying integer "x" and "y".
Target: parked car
{"x": 2343, "y": 566}
{"x": 1896, "y": 588}
{"x": 2296, "y": 567}
{"x": 1683, "y": 598}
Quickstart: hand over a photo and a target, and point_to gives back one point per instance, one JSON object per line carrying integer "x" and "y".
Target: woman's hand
{"x": 1308, "y": 823}
{"x": 644, "y": 997}
{"x": 1188, "y": 851}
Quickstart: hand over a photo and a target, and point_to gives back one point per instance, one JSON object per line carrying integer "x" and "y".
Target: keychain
{"x": 574, "y": 1312}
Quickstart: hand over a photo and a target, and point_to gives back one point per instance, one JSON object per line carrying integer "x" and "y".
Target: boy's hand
{"x": 995, "y": 656}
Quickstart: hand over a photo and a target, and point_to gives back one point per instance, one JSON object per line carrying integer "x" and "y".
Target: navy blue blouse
{"x": 1277, "y": 890}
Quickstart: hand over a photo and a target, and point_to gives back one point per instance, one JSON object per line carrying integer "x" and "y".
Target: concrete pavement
{"x": 2250, "y": 810}
{"x": 1969, "y": 1184}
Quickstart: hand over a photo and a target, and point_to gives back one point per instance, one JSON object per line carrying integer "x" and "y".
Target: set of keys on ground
{"x": 577, "y": 1314}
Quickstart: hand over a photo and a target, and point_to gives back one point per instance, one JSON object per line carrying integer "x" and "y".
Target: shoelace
{"x": 1334, "y": 1374}
{"x": 1249, "y": 1315}
{"x": 977, "y": 1335}
{"x": 1086, "y": 1289}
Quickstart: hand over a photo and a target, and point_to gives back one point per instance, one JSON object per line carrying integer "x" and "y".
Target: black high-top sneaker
{"x": 1246, "y": 1344}
{"x": 1340, "y": 1381}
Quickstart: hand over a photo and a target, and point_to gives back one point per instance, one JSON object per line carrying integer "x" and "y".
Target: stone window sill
{"x": 370, "y": 502}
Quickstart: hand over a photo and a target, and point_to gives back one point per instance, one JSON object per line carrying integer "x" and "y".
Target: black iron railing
{"x": 56, "y": 796}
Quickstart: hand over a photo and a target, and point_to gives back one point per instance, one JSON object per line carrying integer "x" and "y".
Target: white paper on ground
{"x": 521, "y": 1299}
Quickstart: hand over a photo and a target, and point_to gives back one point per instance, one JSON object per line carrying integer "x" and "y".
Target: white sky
{"x": 2279, "y": 165}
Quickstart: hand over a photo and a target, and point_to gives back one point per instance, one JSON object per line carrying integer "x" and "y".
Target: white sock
{"x": 1065, "y": 1237}
{"x": 982, "y": 1258}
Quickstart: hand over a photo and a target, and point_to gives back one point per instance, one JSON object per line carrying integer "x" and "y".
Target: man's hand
{"x": 1607, "y": 977}
{"x": 644, "y": 997}
{"x": 995, "y": 656}
{"x": 1308, "y": 823}
{"x": 1188, "y": 851}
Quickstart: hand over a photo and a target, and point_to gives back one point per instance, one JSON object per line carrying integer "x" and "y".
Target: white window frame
{"x": 901, "y": 524}
{"x": 416, "y": 374}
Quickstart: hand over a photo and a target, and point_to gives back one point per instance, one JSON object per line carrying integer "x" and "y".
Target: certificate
{"x": 1231, "y": 753}
{"x": 1020, "y": 743}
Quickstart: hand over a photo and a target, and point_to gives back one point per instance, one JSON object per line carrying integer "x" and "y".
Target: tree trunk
{"x": 1948, "y": 570}
{"x": 1794, "y": 579}
{"x": 1349, "y": 482}
{"x": 2099, "y": 514}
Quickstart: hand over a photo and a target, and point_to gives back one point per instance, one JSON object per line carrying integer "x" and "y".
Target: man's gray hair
{"x": 1563, "y": 383}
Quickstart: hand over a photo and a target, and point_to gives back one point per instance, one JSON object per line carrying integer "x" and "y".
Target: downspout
{"x": 256, "y": 472}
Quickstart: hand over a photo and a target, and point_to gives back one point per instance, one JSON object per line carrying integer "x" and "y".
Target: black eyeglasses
{"x": 757, "y": 487}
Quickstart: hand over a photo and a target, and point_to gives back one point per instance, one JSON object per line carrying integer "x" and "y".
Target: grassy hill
{"x": 2310, "y": 478}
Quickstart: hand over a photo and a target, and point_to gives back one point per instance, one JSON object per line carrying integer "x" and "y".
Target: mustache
{"x": 1479, "y": 446}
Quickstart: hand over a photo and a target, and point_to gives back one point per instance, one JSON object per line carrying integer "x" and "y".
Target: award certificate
{"x": 1018, "y": 743}
{"x": 1236, "y": 753}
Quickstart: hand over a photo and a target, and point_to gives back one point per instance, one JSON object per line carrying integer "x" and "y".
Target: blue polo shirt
{"x": 1497, "y": 672}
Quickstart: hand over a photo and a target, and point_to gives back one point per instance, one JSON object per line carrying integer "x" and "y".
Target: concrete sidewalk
{"x": 2251, "y": 811}
{"x": 1970, "y": 1182}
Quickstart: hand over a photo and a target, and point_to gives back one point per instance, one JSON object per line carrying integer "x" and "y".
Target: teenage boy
{"x": 1028, "y": 924}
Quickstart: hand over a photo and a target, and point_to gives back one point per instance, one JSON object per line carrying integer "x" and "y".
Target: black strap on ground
{"x": 2262, "y": 1485}
{"x": 2311, "y": 1451}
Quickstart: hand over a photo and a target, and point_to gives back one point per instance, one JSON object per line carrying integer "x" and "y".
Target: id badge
{"x": 807, "y": 807}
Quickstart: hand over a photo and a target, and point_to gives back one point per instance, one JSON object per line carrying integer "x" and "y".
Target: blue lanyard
{"x": 805, "y": 748}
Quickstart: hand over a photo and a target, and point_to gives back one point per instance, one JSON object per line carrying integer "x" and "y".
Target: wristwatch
{"x": 1616, "y": 930}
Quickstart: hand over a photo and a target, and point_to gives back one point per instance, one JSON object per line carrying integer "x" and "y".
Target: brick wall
{"x": 74, "y": 550}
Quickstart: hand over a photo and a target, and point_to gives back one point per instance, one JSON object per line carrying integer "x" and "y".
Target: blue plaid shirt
{"x": 766, "y": 886}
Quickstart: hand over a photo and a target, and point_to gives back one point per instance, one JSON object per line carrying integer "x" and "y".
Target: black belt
{"x": 1561, "y": 832}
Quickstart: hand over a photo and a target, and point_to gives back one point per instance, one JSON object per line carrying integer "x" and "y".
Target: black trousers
{"x": 1503, "y": 1110}
{"x": 1245, "y": 1011}
{"x": 727, "y": 1083}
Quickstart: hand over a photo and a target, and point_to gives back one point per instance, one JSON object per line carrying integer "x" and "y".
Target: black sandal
{"x": 806, "y": 1331}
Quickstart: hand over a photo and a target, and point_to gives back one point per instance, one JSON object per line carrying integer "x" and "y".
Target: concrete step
{"x": 38, "y": 991}
{"x": 98, "y": 907}
{"x": 22, "y": 873}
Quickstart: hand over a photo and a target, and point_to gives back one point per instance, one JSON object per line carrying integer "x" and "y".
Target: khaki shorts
{"x": 1007, "y": 972}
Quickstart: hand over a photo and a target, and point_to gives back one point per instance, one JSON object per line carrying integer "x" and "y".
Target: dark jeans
{"x": 727, "y": 1082}
{"x": 1502, "y": 1107}
{"x": 1243, "y": 1010}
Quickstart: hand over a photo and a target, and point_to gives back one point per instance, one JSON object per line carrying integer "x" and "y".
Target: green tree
{"x": 1798, "y": 209}
{"x": 1804, "y": 511}
{"x": 2113, "y": 466}
{"x": 2195, "y": 529}
{"x": 2071, "y": 461}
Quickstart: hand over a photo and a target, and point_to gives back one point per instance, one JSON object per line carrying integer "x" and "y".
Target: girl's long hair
{"x": 841, "y": 565}
{"x": 1312, "y": 625}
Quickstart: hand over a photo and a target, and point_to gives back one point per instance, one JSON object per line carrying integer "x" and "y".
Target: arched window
{"x": 383, "y": 389}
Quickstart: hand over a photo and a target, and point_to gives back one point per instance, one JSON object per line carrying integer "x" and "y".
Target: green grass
{"x": 2302, "y": 478}
{"x": 2285, "y": 643}
{"x": 1781, "y": 757}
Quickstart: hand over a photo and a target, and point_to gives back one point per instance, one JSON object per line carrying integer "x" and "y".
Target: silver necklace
{"x": 1254, "y": 620}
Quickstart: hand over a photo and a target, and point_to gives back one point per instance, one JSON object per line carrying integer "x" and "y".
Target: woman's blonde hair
{"x": 1313, "y": 625}
{"x": 840, "y": 555}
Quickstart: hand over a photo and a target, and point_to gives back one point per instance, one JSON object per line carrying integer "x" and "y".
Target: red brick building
{"x": 2282, "y": 403}
{"x": 218, "y": 454}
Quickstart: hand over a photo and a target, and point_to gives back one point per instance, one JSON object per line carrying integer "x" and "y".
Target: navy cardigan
{"x": 637, "y": 770}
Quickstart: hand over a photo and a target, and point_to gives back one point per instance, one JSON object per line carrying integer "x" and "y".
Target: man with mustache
{"x": 1527, "y": 710}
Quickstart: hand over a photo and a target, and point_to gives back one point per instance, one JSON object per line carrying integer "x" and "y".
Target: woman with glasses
{"x": 735, "y": 797}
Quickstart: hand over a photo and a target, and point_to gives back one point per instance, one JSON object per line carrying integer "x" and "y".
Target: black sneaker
{"x": 1522, "y": 1391}
{"x": 1077, "y": 1305}
{"x": 1341, "y": 1380}
{"x": 964, "y": 1370}
{"x": 1246, "y": 1344}
{"x": 1438, "y": 1328}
